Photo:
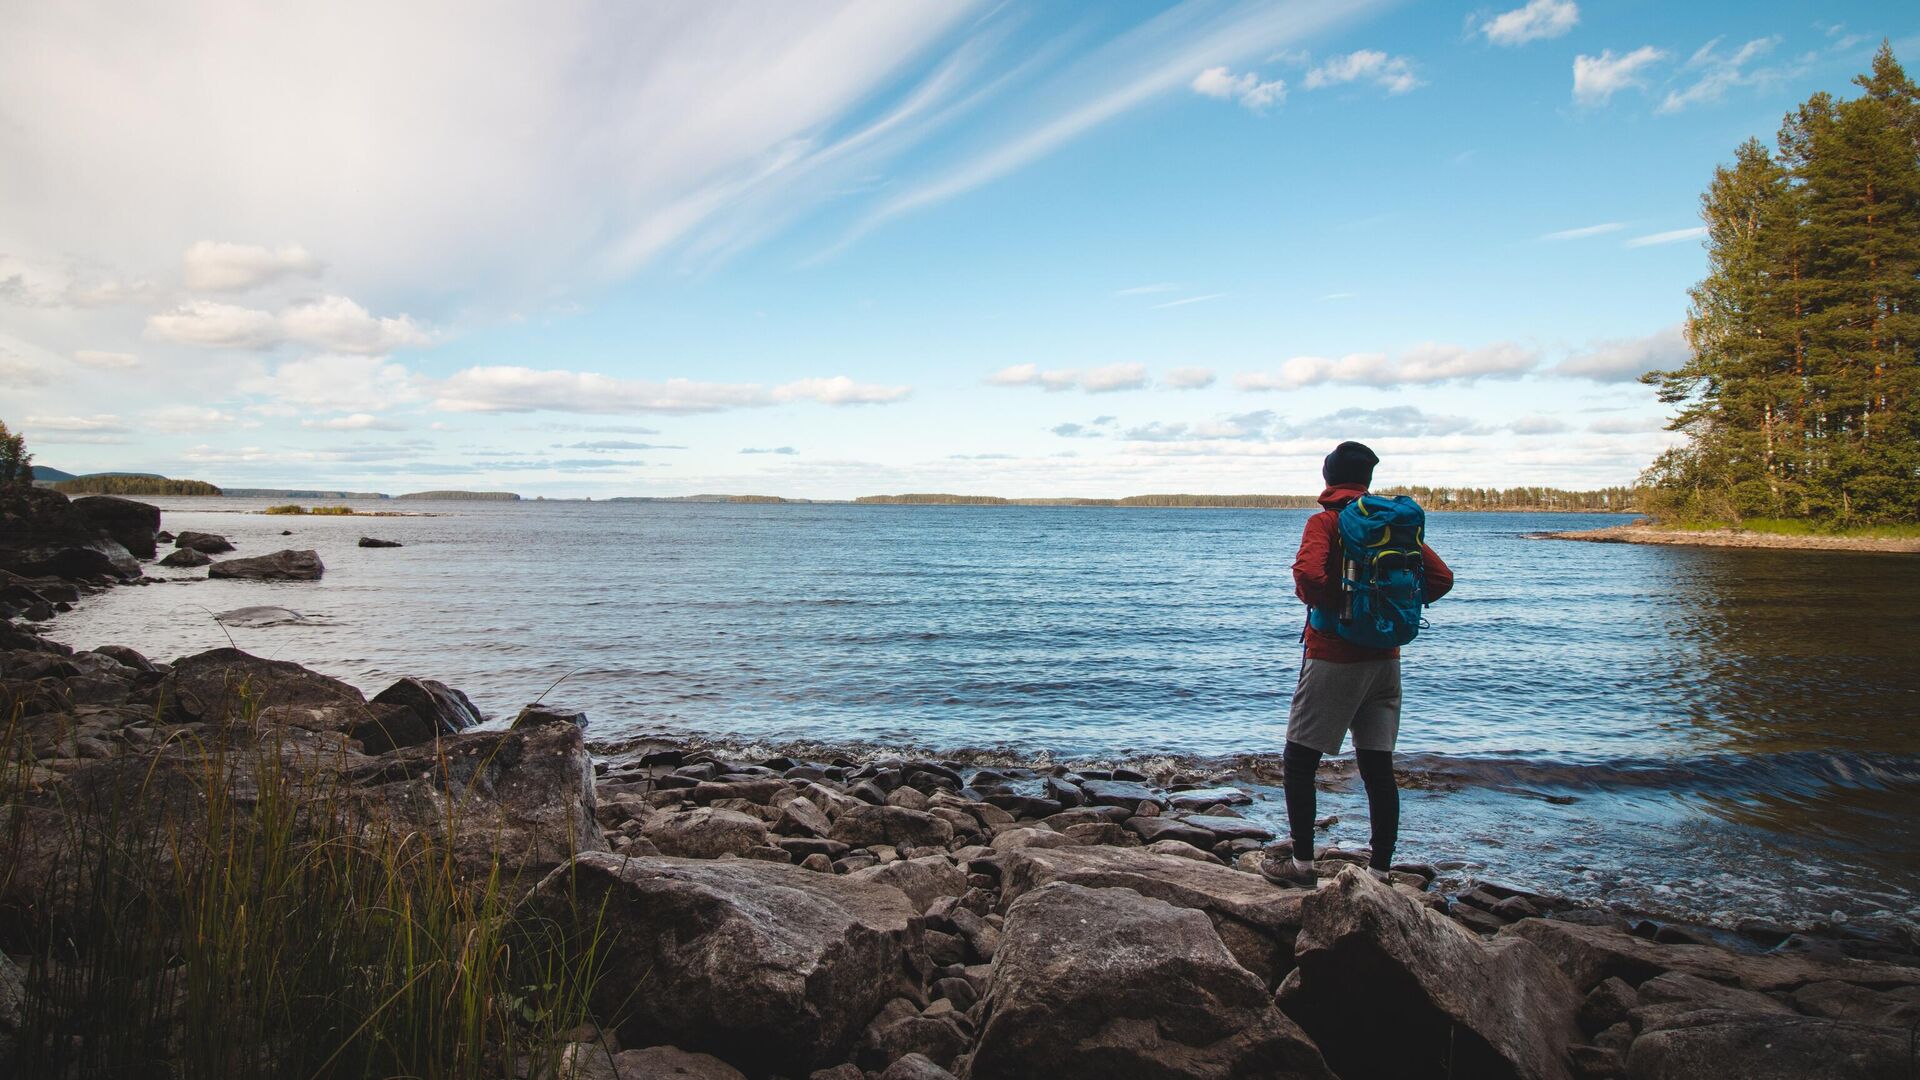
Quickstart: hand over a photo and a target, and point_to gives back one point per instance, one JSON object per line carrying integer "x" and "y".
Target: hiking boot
{"x": 1284, "y": 871}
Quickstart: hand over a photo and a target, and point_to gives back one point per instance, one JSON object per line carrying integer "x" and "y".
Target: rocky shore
{"x": 1738, "y": 538}
{"x": 843, "y": 919}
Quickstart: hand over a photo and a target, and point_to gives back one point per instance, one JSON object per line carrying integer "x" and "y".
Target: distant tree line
{"x": 1617, "y": 499}
{"x": 118, "y": 484}
{"x": 1614, "y": 499}
{"x": 1801, "y": 397}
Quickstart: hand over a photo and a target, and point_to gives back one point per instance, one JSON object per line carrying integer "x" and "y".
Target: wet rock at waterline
{"x": 204, "y": 542}
{"x": 423, "y": 709}
{"x": 370, "y": 542}
{"x": 279, "y": 566}
{"x": 182, "y": 558}
{"x": 132, "y": 524}
{"x": 257, "y": 618}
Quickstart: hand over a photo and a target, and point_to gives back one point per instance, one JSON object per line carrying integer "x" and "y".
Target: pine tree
{"x": 1801, "y": 395}
{"x": 16, "y": 465}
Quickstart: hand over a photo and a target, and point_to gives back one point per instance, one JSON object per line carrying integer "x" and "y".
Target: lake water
{"x": 1716, "y": 731}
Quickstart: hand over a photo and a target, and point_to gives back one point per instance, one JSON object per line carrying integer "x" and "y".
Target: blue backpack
{"x": 1383, "y": 578}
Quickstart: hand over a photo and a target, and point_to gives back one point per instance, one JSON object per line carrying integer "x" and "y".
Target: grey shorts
{"x": 1334, "y": 698}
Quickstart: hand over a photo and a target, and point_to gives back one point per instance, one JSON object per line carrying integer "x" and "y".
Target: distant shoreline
{"x": 1734, "y": 538}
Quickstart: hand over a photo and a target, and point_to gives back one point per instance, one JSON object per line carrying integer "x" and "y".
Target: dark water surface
{"x": 1718, "y": 731}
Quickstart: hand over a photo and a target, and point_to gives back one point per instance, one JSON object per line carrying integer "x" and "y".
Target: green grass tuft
{"x": 225, "y": 915}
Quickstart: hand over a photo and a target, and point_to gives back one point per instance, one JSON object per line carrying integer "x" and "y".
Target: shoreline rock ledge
{"x": 901, "y": 919}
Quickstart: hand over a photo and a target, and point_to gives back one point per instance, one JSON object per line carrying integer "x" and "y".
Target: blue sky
{"x": 832, "y": 250}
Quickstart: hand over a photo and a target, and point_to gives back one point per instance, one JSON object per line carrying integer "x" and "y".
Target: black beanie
{"x": 1350, "y": 463}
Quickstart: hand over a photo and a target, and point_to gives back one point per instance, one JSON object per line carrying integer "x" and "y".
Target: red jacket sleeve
{"x": 1313, "y": 580}
{"x": 1439, "y": 575}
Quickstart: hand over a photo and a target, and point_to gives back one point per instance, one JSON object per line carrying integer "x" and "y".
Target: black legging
{"x": 1383, "y": 800}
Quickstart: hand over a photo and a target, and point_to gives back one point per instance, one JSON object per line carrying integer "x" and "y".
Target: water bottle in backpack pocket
{"x": 1383, "y": 578}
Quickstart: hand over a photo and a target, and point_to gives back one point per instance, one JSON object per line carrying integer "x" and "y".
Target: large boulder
{"x": 13, "y": 1008}
{"x": 132, "y": 524}
{"x": 769, "y": 966}
{"x": 279, "y": 566}
{"x": 1769, "y": 1046}
{"x": 227, "y": 685}
{"x": 866, "y": 825}
{"x": 1590, "y": 954}
{"x": 423, "y": 710}
{"x": 186, "y": 558}
{"x": 525, "y": 796}
{"x": 204, "y": 542}
{"x": 1255, "y": 920}
{"x": 42, "y": 535}
{"x": 706, "y": 832}
{"x": 924, "y": 880}
{"x": 1389, "y": 987}
{"x": 1107, "y": 983}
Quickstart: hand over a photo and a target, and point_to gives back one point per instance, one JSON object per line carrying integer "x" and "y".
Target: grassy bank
{"x": 219, "y": 907}
{"x": 1796, "y": 527}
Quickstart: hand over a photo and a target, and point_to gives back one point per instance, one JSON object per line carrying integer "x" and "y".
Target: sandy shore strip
{"x": 1739, "y": 538}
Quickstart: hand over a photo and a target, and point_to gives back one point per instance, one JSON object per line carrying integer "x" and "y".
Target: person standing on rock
{"x": 1346, "y": 685}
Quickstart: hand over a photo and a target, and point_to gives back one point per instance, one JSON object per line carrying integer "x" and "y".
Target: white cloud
{"x": 839, "y": 390}
{"x": 1538, "y": 19}
{"x": 1100, "y": 380}
{"x": 19, "y": 372}
{"x": 1626, "y": 359}
{"x": 521, "y": 389}
{"x": 213, "y": 324}
{"x": 1597, "y": 78}
{"x": 209, "y": 266}
{"x": 1190, "y": 378}
{"x": 335, "y": 323}
{"x": 339, "y": 324}
{"x": 1394, "y": 73}
{"x": 1585, "y": 231}
{"x": 1143, "y": 290}
{"x": 176, "y": 419}
{"x": 1672, "y": 237}
{"x": 343, "y": 383}
{"x": 1420, "y": 365}
{"x": 1718, "y": 74}
{"x": 1627, "y": 425}
{"x": 1538, "y": 425}
{"x": 97, "y": 424}
{"x": 1246, "y": 88}
{"x": 105, "y": 361}
{"x": 355, "y": 422}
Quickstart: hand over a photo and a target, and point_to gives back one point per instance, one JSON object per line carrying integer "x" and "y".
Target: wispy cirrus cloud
{"x": 1585, "y": 231}
{"x": 1714, "y": 73}
{"x": 1672, "y": 236}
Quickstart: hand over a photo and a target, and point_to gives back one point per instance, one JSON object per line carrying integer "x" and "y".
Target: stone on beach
{"x": 204, "y": 542}
{"x": 1256, "y": 921}
{"x": 1459, "y": 1006}
{"x": 767, "y": 966}
{"x": 279, "y": 566}
{"x": 186, "y": 558}
{"x": 1105, "y": 982}
{"x": 131, "y": 524}
{"x": 422, "y": 710}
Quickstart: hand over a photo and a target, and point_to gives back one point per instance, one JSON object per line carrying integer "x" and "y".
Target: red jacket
{"x": 1316, "y": 577}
